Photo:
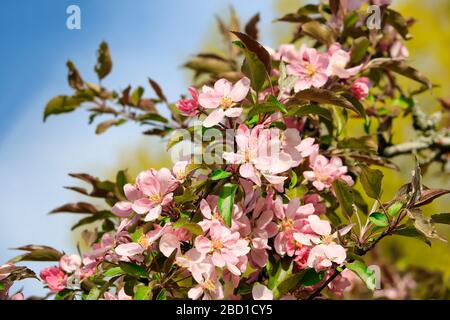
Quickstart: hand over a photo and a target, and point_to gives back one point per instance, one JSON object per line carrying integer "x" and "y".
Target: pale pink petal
{"x": 233, "y": 112}
{"x": 261, "y": 292}
{"x": 122, "y": 209}
{"x": 205, "y": 209}
{"x": 240, "y": 90}
{"x": 195, "y": 293}
{"x": 168, "y": 243}
{"x": 132, "y": 192}
{"x": 222, "y": 87}
{"x": 129, "y": 249}
{"x": 321, "y": 227}
{"x": 214, "y": 118}
{"x": 202, "y": 244}
{"x": 142, "y": 206}
{"x": 153, "y": 214}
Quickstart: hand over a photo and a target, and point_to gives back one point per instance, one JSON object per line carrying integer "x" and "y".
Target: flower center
{"x": 143, "y": 241}
{"x": 310, "y": 69}
{"x": 157, "y": 198}
{"x": 328, "y": 239}
{"x": 287, "y": 224}
{"x": 208, "y": 285}
{"x": 226, "y": 102}
{"x": 217, "y": 245}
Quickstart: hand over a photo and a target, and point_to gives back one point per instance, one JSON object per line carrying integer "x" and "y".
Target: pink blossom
{"x": 291, "y": 219}
{"x": 398, "y": 50}
{"x": 314, "y": 199}
{"x": 208, "y": 288}
{"x": 223, "y": 98}
{"x": 339, "y": 60}
{"x": 326, "y": 252}
{"x": 261, "y": 292}
{"x": 311, "y": 69}
{"x": 179, "y": 170}
{"x": 189, "y": 107}
{"x": 55, "y": 278}
{"x": 153, "y": 191}
{"x": 196, "y": 262}
{"x": 224, "y": 246}
{"x": 70, "y": 263}
{"x": 360, "y": 88}
{"x": 325, "y": 171}
{"x": 265, "y": 152}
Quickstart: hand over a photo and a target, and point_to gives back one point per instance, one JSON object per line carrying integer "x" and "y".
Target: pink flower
{"x": 338, "y": 62}
{"x": 360, "y": 88}
{"x": 291, "y": 219}
{"x": 287, "y": 53}
{"x": 196, "y": 263}
{"x": 223, "y": 98}
{"x": 189, "y": 107}
{"x": 224, "y": 246}
{"x": 326, "y": 252}
{"x": 325, "y": 171}
{"x": 129, "y": 250}
{"x": 209, "y": 287}
{"x": 264, "y": 152}
{"x": 55, "y": 278}
{"x": 70, "y": 264}
{"x": 314, "y": 199}
{"x": 311, "y": 69}
{"x": 179, "y": 170}
{"x": 261, "y": 292}
{"x": 398, "y": 50}
{"x": 153, "y": 191}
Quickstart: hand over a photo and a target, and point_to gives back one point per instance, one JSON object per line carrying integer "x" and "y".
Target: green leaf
{"x": 344, "y": 194}
{"x": 253, "y": 68}
{"x": 74, "y": 78}
{"x": 443, "y": 218}
{"x": 366, "y": 275}
{"x": 323, "y": 96}
{"x": 395, "y": 208}
{"x": 192, "y": 227}
{"x": 161, "y": 295}
{"x": 400, "y": 67}
{"x": 104, "y": 61}
{"x": 290, "y": 282}
{"x": 142, "y": 293}
{"x": 379, "y": 219}
{"x": 371, "y": 181}
{"x": 277, "y": 104}
{"x": 312, "y": 109}
{"x": 311, "y": 277}
{"x": 115, "y": 271}
{"x": 319, "y": 32}
{"x": 93, "y": 294}
{"x": 294, "y": 180}
{"x": 359, "y": 49}
{"x": 133, "y": 269}
{"x": 136, "y": 95}
{"x": 219, "y": 174}
{"x": 412, "y": 232}
{"x": 226, "y": 202}
{"x": 105, "y": 125}
{"x": 61, "y": 104}
{"x": 399, "y": 23}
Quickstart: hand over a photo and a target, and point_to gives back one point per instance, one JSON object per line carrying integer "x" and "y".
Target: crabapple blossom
{"x": 189, "y": 107}
{"x": 153, "y": 190}
{"x": 325, "y": 171}
{"x": 311, "y": 69}
{"x": 208, "y": 288}
{"x": 261, "y": 292}
{"x": 223, "y": 98}
{"x": 55, "y": 278}
{"x": 224, "y": 246}
{"x": 360, "y": 88}
{"x": 70, "y": 264}
{"x": 339, "y": 59}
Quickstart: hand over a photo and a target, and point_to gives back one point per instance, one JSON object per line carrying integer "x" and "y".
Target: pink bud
{"x": 189, "y": 107}
{"x": 360, "y": 88}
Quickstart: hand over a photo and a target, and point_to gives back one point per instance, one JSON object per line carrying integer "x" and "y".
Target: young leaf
{"x": 133, "y": 269}
{"x": 104, "y": 61}
{"x": 366, "y": 275}
{"x": 344, "y": 194}
{"x": 113, "y": 272}
{"x": 219, "y": 174}
{"x": 379, "y": 219}
{"x": 142, "y": 293}
{"x": 319, "y": 32}
{"x": 226, "y": 202}
{"x": 371, "y": 181}
{"x": 395, "y": 208}
{"x": 443, "y": 218}
{"x": 61, "y": 104}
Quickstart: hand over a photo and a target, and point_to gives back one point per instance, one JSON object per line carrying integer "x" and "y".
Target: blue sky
{"x": 147, "y": 38}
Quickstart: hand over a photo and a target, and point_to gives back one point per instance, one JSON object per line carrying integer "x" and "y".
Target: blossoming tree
{"x": 276, "y": 214}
